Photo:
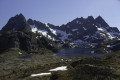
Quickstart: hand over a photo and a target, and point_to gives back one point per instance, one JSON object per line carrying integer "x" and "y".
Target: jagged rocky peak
{"x": 36, "y": 24}
{"x": 101, "y": 22}
{"x": 16, "y": 23}
{"x": 99, "y": 18}
{"x": 30, "y": 21}
{"x": 81, "y": 31}
{"x": 77, "y": 20}
{"x": 115, "y": 29}
{"x": 40, "y": 25}
{"x": 15, "y": 34}
{"x": 90, "y": 18}
{"x": 42, "y": 28}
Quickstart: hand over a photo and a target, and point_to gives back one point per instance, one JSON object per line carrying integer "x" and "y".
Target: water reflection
{"x": 77, "y": 52}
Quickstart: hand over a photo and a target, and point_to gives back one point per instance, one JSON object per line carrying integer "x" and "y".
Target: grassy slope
{"x": 86, "y": 68}
{"x": 12, "y": 66}
{"x": 104, "y": 68}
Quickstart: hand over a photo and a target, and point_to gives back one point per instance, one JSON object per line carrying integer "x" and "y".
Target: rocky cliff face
{"x": 81, "y": 31}
{"x": 85, "y": 32}
{"x": 17, "y": 34}
{"x": 17, "y": 23}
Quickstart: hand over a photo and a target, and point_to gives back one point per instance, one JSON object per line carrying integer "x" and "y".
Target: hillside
{"x": 80, "y": 32}
{"x": 28, "y": 50}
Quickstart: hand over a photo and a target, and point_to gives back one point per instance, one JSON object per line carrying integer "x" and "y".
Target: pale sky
{"x": 60, "y": 12}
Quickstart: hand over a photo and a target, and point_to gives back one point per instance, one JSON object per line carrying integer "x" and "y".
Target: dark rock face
{"x": 43, "y": 27}
{"x": 26, "y": 41}
{"x": 17, "y": 23}
{"x": 100, "y": 21}
{"x": 37, "y": 23}
{"x": 17, "y": 34}
{"x": 15, "y": 40}
{"x": 86, "y": 27}
{"x": 82, "y": 31}
{"x": 26, "y": 35}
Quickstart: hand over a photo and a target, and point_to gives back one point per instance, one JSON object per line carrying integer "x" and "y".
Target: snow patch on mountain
{"x": 87, "y": 37}
{"x": 84, "y": 28}
{"x": 40, "y": 74}
{"x": 110, "y": 36}
{"x": 62, "y": 68}
{"x": 78, "y": 22}
{"x": 53, "y": 31}
{"x": 100, "y": 29}
{"x": 43, "y": 32}
{"x": 34, "y": 29}
{"x": 80, "y": 42}
{"x": 74, "y": 29}
{"x": 79, "y": 31}
{"x": 46, "y": 25}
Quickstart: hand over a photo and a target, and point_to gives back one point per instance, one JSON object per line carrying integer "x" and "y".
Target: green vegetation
{"x": 23, "y": 53}
{"x": 104, "y": 68}
{"x": 14, "y": 66}
{"x": 108, "y": 46}
{"x": 87, "y": 68}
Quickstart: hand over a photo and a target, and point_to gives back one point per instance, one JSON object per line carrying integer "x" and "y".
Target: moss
{"x": 89, "y": 68}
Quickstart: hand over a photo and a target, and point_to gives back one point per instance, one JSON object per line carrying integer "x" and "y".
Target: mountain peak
{"x": 90, "y": 17}
{"x": 16, "y": 23}
{"x": 100, "y": 20}
{"x": 19, "y": 15}
{"x": 30, "y": 21}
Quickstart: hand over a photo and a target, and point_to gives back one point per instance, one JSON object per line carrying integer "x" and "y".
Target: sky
{"x": 60, "y": 12}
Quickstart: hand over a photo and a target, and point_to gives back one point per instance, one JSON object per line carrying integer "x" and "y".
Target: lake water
{"x": 77, "y": 52}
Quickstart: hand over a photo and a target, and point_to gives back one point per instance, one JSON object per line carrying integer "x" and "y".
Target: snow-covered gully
{"x": 40, "y": 74}
{"x": 62, "y": 68}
